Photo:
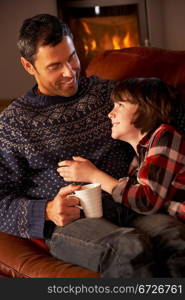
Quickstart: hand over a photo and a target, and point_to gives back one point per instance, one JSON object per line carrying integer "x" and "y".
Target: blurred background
{"x": 164, "y": 26}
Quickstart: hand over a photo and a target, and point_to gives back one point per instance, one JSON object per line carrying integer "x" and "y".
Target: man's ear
{"x": 27, "y": 66}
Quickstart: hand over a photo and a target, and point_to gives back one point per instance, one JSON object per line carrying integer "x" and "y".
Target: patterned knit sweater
{"x": 36, "y": 132}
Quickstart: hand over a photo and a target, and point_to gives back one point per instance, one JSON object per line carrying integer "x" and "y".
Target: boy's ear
{"x": 27, "y": 66}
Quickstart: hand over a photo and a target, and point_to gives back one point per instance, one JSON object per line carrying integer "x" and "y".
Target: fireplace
{"x": 104, "y": 25}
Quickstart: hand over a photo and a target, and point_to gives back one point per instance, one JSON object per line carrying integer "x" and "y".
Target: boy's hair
{"x": 156, "y": 101}
{"x": 42, "y": 29}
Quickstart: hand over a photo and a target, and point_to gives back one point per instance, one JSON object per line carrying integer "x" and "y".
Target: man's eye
{"x": 73, "y": 56}
{"x": 53, "y": 67}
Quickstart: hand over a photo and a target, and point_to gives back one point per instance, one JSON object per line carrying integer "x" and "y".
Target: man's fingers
{"x": 72, "y": 214}
{"x": 72, "y": 200}
{"x": 69, "y": 189}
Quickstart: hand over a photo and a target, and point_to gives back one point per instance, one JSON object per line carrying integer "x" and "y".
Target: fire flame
{"x": 116, "y": 42}
{"x": 107, "y": 41}
{"x": 93, "y": 45}
{"x": 127, "y": 40}
{"x": 86, "y": 28}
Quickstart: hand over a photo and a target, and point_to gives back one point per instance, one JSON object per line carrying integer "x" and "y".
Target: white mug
{"x": 90, "y": 196}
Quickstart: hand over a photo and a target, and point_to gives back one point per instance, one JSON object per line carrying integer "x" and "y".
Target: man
{"x": 64, "y": 115}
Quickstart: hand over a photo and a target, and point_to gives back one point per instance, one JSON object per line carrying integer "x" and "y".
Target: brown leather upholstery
{"x": 30, "y": 258}
{"x": 168, "y": 65}
{"x": 24, "y": 258}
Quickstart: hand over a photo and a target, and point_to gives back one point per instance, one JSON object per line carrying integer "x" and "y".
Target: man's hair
{"x": 156, "y": 100}
{"x": 40, "y": 30}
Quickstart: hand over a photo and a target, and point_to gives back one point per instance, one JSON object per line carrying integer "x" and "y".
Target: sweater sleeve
{"x": 20, "y": 214}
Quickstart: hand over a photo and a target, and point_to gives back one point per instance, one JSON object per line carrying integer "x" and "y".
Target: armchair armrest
{"x": 25, "y": 259}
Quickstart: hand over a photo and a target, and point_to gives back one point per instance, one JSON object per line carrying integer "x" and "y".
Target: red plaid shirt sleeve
{"x": 160, "y": 178}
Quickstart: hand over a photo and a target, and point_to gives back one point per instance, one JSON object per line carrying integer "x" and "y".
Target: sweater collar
{"x": 45, "y": 100}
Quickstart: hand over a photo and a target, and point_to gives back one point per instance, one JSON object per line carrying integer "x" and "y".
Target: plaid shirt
{"x": 156, "y": 178}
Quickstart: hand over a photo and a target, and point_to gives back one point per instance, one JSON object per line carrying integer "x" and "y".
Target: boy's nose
{"x": 111, "y": 114}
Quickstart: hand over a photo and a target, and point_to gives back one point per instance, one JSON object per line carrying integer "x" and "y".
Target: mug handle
{"x": 73, "y": 195}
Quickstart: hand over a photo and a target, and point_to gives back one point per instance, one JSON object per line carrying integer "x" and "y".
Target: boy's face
{"x": 56, "y": 69}
{"x": 121, "y": 117}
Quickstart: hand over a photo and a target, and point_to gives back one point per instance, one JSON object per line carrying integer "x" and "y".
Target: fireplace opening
{"x": 100, "y": 28}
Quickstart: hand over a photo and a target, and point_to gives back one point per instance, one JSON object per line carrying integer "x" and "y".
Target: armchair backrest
{"x": 121, "y": 64}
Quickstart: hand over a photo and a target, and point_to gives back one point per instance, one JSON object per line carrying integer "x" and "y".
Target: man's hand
{"x": 62, "y": 210}
{"x": 78, "y": 170}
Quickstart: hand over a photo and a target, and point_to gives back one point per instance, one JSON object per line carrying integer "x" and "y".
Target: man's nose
{"x": 67, "y": 70}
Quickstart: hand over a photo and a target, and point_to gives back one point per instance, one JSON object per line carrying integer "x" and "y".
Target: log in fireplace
{"x": 104, "y": 24}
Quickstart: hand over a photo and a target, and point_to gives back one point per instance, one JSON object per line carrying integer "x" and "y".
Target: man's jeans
{"x": 101, "y": 246}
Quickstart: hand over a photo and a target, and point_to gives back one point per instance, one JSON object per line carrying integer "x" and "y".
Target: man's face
{"x": 56, "y": 69}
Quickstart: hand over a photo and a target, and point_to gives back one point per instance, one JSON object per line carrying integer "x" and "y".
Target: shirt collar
{"x": 144, "y": 142}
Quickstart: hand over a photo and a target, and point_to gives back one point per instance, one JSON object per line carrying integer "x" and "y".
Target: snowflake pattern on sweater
{"x": 36, "y": 132}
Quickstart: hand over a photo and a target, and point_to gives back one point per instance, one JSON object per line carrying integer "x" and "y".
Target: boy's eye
{"x": 120, "y": 104}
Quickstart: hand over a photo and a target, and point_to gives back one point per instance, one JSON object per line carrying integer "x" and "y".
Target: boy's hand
{"x": 78, "y": 170}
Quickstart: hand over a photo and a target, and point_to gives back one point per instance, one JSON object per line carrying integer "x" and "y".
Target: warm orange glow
{"x": 106, "y": 40}
{"x": 127, "y": 40}
{"x": 86, "y": 27}
{"x": 93, "y": 35}
{"x": 86, "y": 49}
{"x": 93, "y": 45}
{"x": 116, "y": 42}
